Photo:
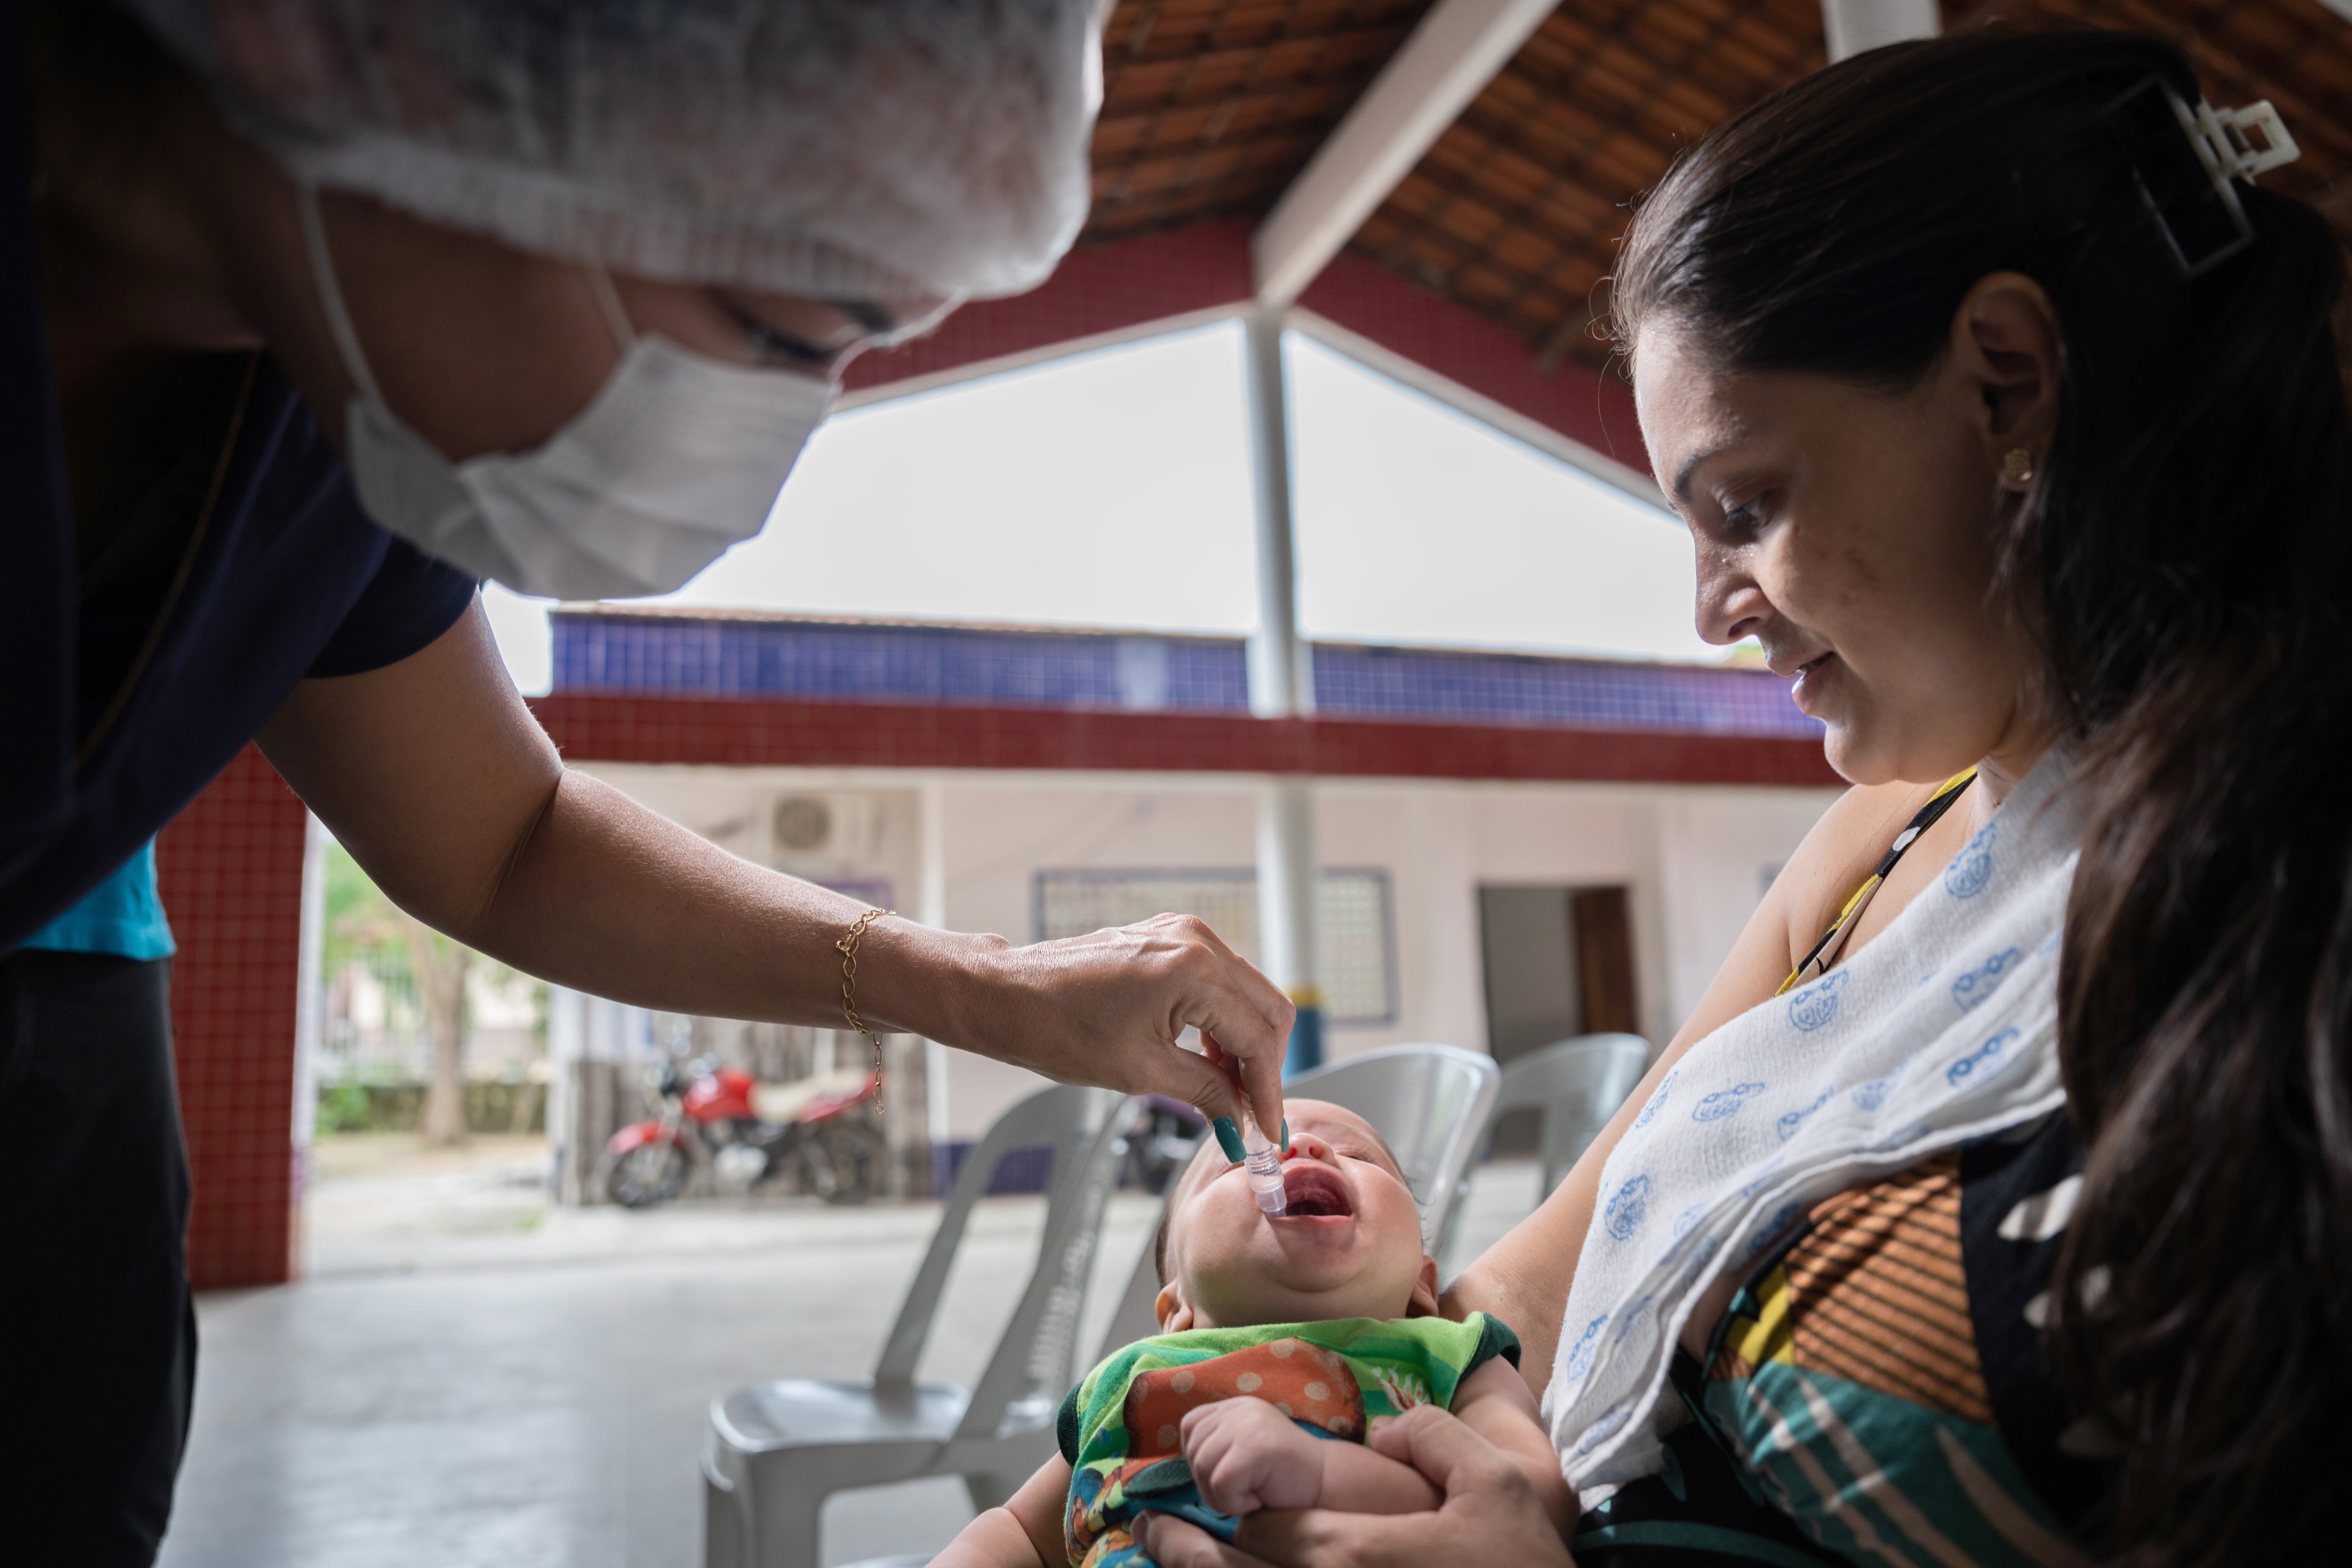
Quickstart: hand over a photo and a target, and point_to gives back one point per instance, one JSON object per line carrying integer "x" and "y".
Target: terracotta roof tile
{"x": 1212, "y": 107}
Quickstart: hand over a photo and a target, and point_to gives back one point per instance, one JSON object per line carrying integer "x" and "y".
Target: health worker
{"x": 317, "y": 313}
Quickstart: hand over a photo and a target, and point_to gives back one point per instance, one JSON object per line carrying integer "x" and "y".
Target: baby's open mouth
{"x": 1310, "y": 1192}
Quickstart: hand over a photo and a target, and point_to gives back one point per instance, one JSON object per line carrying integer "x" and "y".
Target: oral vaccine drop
{"x": 1261, "y": 1168}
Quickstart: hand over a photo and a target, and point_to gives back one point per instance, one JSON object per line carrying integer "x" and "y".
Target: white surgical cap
{"x": 842, "y": 149}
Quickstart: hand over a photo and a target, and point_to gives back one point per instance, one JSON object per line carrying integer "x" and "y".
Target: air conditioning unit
{"x": 802, "y": 824}
{"x": 836, "y": 826}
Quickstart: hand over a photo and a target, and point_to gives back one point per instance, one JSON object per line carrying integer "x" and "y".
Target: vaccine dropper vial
{"x": 1261, "y": 1168}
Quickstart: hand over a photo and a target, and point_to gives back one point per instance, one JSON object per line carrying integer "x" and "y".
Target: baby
{"x": 1282, "y": 1340}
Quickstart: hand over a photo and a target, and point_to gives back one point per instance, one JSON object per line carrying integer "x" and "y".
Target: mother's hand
{"x": 1107, "y": 1009}
{"x": 1490, "y": 1515}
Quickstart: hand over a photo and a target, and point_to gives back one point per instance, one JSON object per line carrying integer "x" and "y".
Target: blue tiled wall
{"x": 854, "y": 661}
{"x": 1581, "y": 693}
{"x": 1021, "y": 1170}
{"x": 598, "y": 652}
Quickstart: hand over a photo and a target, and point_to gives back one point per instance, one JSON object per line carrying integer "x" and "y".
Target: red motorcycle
{"x": 821, "y": 1130}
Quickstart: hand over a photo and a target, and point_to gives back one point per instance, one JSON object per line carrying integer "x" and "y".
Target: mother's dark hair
{"x": 2182, "y": 558}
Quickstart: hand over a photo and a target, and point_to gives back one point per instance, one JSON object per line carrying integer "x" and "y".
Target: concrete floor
{"x": 469, "y": 1377}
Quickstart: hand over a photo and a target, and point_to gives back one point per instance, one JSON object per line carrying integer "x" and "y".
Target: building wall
{"x": 1718, "y": 849}
{"x": 963, "y": 849}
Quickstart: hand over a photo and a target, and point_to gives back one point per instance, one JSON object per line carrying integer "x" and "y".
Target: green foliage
{"x": 360, "y": 922}
{"x": 362, "y": 926}
{"x": 354, "y": 1105}
{"x": 363, "y": 923}
{"x": 343, "y": 1108}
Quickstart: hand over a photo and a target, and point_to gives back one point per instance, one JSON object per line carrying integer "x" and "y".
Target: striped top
{"x": 1881, "y": 1382}
{"x": 1875, "y": 1293}
{"x": 1877, "y": 1393}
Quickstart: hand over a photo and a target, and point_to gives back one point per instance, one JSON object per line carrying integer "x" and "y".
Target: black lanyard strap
{"x": 1832, "y": 943}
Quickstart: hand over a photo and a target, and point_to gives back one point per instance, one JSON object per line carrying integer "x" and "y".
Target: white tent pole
{"x": 1852, "y": 25}
{"x": 1282, "y": 686}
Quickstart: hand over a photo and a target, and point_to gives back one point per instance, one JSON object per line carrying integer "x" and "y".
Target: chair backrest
{"x": 1576, "y": 1086}
{"x": 1429, "y": 1102}
{"x": 1035, "y": 1363}
{"x": 1081, "y": 1126}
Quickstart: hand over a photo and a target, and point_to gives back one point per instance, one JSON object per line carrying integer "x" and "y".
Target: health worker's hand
{"x": 1245, "y": 1456}
{"x": 1107, "y": 1009}
{"x": 1490, "y": 1515}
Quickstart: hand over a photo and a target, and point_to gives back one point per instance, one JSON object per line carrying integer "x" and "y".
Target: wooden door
{"x": 1604, "y": 959}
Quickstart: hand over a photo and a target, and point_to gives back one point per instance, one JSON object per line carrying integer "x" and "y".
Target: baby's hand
{"x": 1247, "y": 1454}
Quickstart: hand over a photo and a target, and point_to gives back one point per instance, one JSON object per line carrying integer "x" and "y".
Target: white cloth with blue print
{"x": 1941, "y": 1030}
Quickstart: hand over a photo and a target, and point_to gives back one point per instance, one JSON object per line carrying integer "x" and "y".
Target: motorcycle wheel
{"x": 648, "y": 1174}
{"x": 844, "y": 1164}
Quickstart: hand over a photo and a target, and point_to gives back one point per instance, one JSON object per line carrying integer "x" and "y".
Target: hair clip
{"x": 2196, "y": 205}
{"x": 2237, "y": 143}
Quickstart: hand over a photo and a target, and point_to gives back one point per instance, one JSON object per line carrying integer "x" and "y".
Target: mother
{"x": 2021, "y": 444}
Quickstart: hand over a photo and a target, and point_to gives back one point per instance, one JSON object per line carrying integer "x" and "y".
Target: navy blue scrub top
{"x": 287, "y": 580}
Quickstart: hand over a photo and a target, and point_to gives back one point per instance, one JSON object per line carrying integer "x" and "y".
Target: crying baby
{"x": 1282, "y": 1340}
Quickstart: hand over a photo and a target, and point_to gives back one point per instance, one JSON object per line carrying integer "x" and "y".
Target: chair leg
{"x": 722, "y": 1528}
{"x": 788, "y": 1523}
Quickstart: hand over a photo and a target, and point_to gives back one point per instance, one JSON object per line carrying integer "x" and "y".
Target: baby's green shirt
{"x": 1120, "y": 1428}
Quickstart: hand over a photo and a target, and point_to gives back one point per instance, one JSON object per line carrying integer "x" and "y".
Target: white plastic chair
{"x": 775, "y": 1451}
{"x": 1574, "y": 1086}
{"x": 1428, "y": 1101}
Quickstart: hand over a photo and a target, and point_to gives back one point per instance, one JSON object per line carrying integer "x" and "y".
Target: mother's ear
{"x": 2007, "y": 352}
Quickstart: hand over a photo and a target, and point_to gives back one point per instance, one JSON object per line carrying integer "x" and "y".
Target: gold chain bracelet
{"x": 847, "y": 948}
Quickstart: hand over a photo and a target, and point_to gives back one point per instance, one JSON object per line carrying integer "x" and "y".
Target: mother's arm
{"x": 439, "y": 781}
{"x": 1524, "y": 1278}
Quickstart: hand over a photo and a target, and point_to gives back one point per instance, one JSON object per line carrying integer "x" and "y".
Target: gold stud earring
{"x": 2017, "y": 466}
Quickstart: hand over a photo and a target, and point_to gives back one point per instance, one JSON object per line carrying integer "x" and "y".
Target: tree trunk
{"x": 440, "y": 967}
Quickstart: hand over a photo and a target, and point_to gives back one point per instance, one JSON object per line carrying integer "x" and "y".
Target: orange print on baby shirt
{"x": 1304, "y": 1382}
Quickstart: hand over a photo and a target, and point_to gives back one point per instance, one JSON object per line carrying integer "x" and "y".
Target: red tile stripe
{"x": 231, "y": 873}
{"x": 744, "y": 732}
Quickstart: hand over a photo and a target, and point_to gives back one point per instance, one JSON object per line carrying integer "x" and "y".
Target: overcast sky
{"x": 1113, "y": 489}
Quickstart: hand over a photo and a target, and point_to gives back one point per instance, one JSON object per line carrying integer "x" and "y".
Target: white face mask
{"x": 675, "y": 460}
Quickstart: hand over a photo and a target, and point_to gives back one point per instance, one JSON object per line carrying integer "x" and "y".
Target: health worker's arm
{"x": 1026, "y": 1532}
{"x": 435, "y": 776}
